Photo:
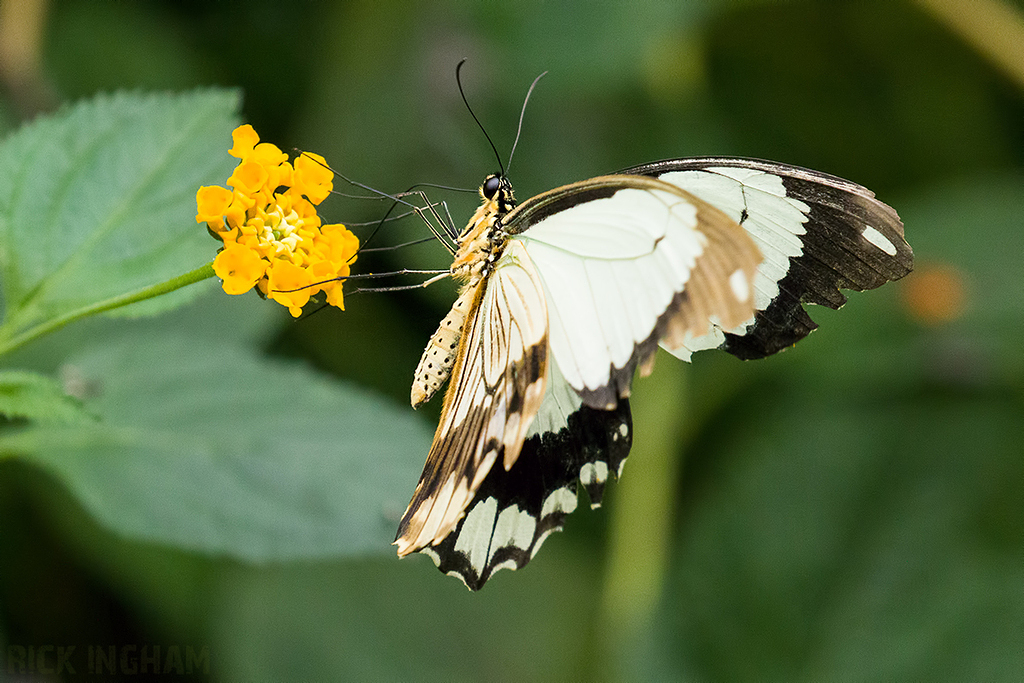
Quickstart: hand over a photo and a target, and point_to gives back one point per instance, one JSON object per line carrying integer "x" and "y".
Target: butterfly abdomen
{"x": 439, "y": 356}
{"x": 478, "y": 244}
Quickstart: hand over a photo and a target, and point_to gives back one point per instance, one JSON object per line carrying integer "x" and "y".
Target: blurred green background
{"x": 852, "y": 509}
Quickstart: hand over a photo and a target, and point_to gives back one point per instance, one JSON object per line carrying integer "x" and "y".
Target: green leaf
{"x": 205, "y": 447}
{"x": 37, "y": 397}
{"x": 99, "y": 201}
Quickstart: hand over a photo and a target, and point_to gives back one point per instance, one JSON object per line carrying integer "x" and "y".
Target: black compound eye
{"x": 492, "y": 184}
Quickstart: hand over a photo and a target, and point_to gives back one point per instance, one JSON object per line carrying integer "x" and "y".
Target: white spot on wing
{"x": 740, "y": 286}
{"x": 459, "y": 576}
{"x": 432, "y": 554}
{"x": 507, "y": 564}
{"x": 559, "y": 500}
{"x": 879, "y": 240}
{"x": 596, "y": 472}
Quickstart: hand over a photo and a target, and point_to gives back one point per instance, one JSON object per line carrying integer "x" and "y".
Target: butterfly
{"x": 565, "y": 296}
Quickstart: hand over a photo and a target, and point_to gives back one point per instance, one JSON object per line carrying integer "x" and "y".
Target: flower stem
{"x": 993, "y": 28}
{"x": 642, "y": 520}
{"x": 54, "y": 324}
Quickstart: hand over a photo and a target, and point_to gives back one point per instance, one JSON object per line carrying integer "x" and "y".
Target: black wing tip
{"x": 853, "y": 242}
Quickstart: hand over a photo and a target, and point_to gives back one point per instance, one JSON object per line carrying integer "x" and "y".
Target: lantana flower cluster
{"x": 273, "y": 238}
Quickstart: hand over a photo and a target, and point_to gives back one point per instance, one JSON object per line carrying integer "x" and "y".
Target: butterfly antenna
{"x": 463, "y": 93}
{"x": 522, "y": 114}
{"x": 395, "y": 247}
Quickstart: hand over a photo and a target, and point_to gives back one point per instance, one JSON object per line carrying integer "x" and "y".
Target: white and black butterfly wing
{"x": 515, "y": 510}
{"x": 818, "y": 234}
{"x": 497, "y": 386}
{"x": 593, "y": 443}
{"x": 626, "y": 263}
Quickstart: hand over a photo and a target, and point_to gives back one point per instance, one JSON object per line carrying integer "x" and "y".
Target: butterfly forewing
{"x": 818, "y": 234}
{"x": 625, "y": 262}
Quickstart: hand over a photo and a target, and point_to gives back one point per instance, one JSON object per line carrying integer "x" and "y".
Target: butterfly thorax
{"x": 482, "y": 240}
{"x": 479, "y": 246}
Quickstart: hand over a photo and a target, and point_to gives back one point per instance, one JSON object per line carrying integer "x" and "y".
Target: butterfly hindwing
{"x": 497, "y": 387}
{"x": 818, "y": 234}
{"x": 514, "y": 511}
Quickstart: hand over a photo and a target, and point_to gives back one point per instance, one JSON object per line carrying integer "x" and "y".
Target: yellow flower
{"x": 273, "y": 238}
{"x": 239, "y": 267}
{"x": 338, "y": 243}
{"x": 245, "y": 138}
{"x": 212, "y": 203}
{"x": 249, "y": 177}
{"x": 312, "y": 177}
{"x": 289, "y": 285}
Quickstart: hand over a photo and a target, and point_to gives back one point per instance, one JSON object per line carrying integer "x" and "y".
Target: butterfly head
{"x": 498, "y": 189}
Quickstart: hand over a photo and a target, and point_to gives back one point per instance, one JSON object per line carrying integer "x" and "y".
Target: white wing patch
{"x": 594, "y": 472}
{"x": 739, "y": 285}
{"x": 486, "y": 531}
{"x": 475, "y": 540}
{"x": 560, "y": 500}
{"x": 560, "y": 402}
{"x": 515, "y": 527}
{"x": 879, "y": 240}
{"x": 627, "y": 225}
{"x": 610, "y": 267}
